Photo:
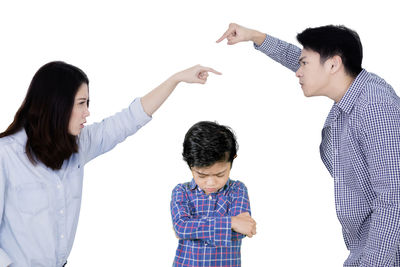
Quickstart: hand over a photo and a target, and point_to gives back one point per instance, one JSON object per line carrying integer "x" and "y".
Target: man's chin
{"x": 308, "y": 93}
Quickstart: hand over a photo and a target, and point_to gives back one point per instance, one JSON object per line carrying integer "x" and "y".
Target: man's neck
{"x": 339, "y": 87}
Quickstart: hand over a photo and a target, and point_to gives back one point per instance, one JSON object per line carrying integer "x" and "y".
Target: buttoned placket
{"x": 334, "y": 142}
{"x": 58, "y": 189}
{"x": 60, "y": 210}
{"x": 61, "y": 221}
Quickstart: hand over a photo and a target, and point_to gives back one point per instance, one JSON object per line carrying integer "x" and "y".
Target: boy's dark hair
{"x": 207, "y": 143}
{"x": 330, "y": 40}
{"x": 46, "y": 111}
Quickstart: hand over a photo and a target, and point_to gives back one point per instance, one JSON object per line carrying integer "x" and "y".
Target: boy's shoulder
{"x": 236, "y": 186}
{"x": 187, "y": 185}
{"x": 232, "y": 186}
{"x": 182, "y": 187}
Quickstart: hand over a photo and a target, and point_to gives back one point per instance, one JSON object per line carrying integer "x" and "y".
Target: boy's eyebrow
{"x": 210, "y": 173}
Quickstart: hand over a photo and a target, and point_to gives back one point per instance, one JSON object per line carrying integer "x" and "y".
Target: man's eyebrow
{"x": 302, "y": 58}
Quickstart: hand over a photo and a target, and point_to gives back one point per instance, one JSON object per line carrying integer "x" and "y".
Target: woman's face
{"x": 80, "y": 110}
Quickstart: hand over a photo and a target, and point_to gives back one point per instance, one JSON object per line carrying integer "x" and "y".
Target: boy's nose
{"x": 210, "y": 182}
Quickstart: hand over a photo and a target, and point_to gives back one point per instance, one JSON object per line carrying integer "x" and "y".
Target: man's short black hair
{"x": 207, "y": 143}
{"x": 330, "y": 40}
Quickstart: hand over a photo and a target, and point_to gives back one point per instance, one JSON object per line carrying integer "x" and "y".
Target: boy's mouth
{"x": 210, "y": 190}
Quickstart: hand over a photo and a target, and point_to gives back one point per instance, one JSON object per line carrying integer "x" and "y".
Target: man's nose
{"x": 299, "y": 73}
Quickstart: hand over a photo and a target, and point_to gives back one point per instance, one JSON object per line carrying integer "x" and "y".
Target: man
{"x": 360, "y": 139}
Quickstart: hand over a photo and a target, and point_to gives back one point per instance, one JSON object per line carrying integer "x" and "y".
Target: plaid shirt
{"x": 361, "y": 149}
{"x": 203, "y": 224}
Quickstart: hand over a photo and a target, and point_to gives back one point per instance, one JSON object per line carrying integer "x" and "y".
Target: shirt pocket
{"x": 74, "y": 180}
{"x": 32, "y": 198}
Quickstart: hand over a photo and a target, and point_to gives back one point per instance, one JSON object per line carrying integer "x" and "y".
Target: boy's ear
{"x": 235, "y": 156}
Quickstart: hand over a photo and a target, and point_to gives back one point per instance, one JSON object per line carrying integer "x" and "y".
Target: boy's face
{"x": 212, "y": 178}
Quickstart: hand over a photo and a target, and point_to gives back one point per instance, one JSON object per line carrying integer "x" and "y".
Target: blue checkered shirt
{"x": 361, "y": 149}
{"x": 203, "y": 224}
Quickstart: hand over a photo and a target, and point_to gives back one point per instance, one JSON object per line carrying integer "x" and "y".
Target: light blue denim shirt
{"x": 39, "y": 207}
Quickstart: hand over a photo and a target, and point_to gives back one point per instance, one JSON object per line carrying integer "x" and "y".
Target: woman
{"x": 42, "y": 155}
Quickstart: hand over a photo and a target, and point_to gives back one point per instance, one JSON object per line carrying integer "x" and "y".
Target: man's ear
{"x": 335, "y": 63}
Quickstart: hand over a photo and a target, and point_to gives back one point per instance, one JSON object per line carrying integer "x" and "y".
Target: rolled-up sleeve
{"x": 101, "y": 137}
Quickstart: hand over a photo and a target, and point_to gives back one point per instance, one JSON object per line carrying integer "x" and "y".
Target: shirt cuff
{"x": 4, "y": 259}
{"x": 268, "y": 45}
{"x": 223, "y": 232}
{"x": 141, "y": 117}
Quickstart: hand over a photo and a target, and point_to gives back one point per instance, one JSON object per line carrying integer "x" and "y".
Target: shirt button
{"x": 58, "y": 186}
{"x": 61, "y": 211}
{"x": 62, "y": 236}
{"x": 209, "y": 197}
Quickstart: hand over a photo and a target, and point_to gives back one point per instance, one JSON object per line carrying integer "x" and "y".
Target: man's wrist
{"x": 258, "y": 37}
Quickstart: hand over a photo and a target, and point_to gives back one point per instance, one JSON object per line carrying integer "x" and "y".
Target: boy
{"x": 210, "y": 214}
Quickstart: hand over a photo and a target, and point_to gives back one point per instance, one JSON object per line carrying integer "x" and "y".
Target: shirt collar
{"x": 348, "y": 100}
{"x": 193, "y": 185}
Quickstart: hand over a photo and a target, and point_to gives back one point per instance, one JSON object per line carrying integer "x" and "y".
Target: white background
{"x": 129, "y": 47}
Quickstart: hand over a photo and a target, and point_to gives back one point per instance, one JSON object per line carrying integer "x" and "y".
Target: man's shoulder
{"x": 377, "y": 91}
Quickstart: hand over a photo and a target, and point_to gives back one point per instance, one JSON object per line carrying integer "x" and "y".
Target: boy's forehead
{"x": 212, "y": 169}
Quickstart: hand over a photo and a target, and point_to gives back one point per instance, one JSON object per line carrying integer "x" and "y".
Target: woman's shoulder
{"x": 13, "y": 141}
{"x": 5, "y": 142}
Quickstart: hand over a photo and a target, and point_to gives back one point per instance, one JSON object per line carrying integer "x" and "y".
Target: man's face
{"x": 313, "y": 76}
{"x": 212, "y": 178}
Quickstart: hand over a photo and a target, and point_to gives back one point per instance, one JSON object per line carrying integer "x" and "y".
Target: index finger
{"x": 211, "y": 70}
{"x": 226, "y": 34}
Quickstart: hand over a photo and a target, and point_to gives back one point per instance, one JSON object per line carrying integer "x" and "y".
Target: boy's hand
{"x": 244, "y": 224}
